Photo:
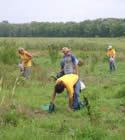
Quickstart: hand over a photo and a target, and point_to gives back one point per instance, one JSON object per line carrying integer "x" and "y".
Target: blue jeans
{"x": 112, "y": 65}
{"x": 76, "y": 95}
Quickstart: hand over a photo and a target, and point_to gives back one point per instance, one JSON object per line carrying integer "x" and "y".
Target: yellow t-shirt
{"x": 24, "y": 57}
{"x": 69, "y": 81}
{"x": 111, "y": 53}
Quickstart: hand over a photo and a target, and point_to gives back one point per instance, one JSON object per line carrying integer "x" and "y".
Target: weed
{"x": 121, "y": 93}
{"x": 10, "y": 117}
{"x": 89, "y": 133}
{"x": 8, "y": 52}
{"x": 53, "y": 52}
{"x": 23, "y": 110}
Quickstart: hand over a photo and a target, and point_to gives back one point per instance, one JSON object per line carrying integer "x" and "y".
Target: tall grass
{"x": 22, "y": 113}
{"x": 53, "y": 52}
{"x": 8, "y": 52}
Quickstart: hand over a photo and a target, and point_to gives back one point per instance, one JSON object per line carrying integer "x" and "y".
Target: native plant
{"x": 121, "y": 93}
{"x": 53, "y": 52}
{"x": 8, "y": 52}
{"x": 94, "y": 61}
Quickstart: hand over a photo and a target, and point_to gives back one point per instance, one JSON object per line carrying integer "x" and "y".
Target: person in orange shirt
{"x": 111, "y": 54}
{"x": 72, "y": 83}
{"x": 26, "y": 62}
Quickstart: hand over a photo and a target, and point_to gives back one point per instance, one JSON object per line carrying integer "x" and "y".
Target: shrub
{"x": 53, "y": 52}
{"x": 94, "y": 62}
{"x": 10, "y": 117}
{"x": 8, "y": 52}
{"x": 121, "y": 93}
{"x": 90, "y": 133}
{"x": 39, "y": 73}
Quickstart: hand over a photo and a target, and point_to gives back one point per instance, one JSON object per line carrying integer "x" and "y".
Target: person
{"x": 68, "y": 63}
{"x": 72, "y": 83}
{"x": 26, "y": 62}
{"x": 111, "y": 54}
{"x": 64, "y": 63}
{"x": 78, "y": 62}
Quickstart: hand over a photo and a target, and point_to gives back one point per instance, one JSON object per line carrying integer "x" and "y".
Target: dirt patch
{"x": 35, "y": 53}
{"x": 35, "y": 112}
{"x": 96, "y": 80}
{"x": 39, "y": 114}
{"x": 123, "y": 109}
{"x": 39, "y": 53}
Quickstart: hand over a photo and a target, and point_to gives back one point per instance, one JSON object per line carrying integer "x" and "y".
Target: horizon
{"x": 61, "y": 21}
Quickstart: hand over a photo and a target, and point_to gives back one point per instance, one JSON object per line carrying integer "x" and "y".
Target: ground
{"x": 21, "y": 117}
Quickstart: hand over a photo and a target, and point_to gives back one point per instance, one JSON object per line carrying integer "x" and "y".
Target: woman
{"x": 26, "y": 61}
{"x": 111, "y": 54}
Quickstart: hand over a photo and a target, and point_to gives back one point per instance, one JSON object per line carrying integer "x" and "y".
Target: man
{"x": 111, "y": 54}
{"x": 26, "y": 61}
{"x": 78, "y": 62}
{"x": 72, "y": 83}
{"x": 68, "y": 64}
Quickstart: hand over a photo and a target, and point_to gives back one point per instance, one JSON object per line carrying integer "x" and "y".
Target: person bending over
{"x": 72, "y": 83}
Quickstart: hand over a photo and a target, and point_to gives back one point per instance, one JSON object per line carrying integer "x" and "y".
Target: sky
{"x": 26, "y": 11}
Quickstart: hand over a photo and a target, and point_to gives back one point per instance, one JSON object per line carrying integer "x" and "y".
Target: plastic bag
{"x": 21, "y": 67}
{"x": 82, "y": 85}
{"x": 111, "y": 60}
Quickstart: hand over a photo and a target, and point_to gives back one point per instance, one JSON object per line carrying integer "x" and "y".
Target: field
{"x": 21, "y": 117}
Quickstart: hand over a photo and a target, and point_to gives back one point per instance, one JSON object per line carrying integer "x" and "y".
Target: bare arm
{"x": 76, "y": 68}
{"x": 62, "y": 71}
{"x": 62, "y": 66}
{"x": 70, "y": 103}
{"x": 53, "y": 96}
{"x": 30, "y": 57}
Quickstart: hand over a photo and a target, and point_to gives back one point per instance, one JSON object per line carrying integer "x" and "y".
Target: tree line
{"x": 109, "y": 27}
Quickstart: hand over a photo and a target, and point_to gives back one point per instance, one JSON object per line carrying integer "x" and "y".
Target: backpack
{"x": 52, "y": 108}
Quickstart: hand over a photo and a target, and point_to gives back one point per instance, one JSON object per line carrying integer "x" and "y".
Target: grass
{"x": 8, "y": 53}
{"x": 22, "y": 118}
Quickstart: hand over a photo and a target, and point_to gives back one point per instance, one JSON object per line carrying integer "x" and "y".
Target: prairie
{"x": 21, "y": 117}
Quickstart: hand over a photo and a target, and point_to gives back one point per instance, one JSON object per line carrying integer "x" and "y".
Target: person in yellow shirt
{"x": 111, "y": 54}
{"x": 26, "y": 61}
{"x": 72, "y": 83}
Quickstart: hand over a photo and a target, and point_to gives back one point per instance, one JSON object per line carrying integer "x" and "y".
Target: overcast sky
{"x": 21, "y": 11}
